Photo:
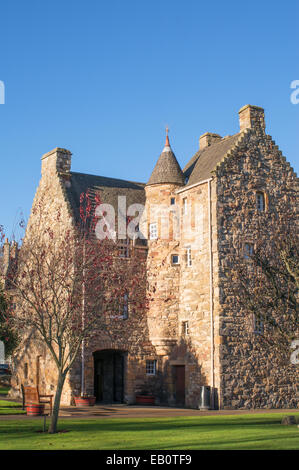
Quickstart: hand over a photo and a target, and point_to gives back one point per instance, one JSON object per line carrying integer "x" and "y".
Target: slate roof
{"x": 108, "y": 190}
{"x": 167, "y": 169}
{"x": 201, "y": 165}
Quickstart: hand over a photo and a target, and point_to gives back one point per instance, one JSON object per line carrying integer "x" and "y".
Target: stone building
{"x": 194, "y": 219}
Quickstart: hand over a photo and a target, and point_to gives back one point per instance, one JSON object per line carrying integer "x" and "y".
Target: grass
{"x": 254, "y": 431}
{"x": 10, "y": 408}
{"x": 4, "y": 390}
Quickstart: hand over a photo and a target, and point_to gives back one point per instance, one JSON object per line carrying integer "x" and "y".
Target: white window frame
{"x": 173, "y": 262}
{"x": 185, "y": 206}
{"x": 185, "y": 328}
{"x": 189, "y": 256}
{"x": 153, "y": 231}
{"x": 151, "y": 367}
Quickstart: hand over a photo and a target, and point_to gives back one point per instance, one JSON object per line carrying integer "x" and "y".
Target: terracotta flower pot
{"x": 85, "y": 401}
{"x": 145, "y": 400}
{"x": 35, "y": 409}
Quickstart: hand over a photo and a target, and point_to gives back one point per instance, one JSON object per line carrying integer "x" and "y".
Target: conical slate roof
{"x": 167, "y": 169}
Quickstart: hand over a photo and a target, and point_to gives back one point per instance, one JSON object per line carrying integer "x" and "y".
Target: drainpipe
{"x": 83, "y": 325}
{"x": 212, "y": 377}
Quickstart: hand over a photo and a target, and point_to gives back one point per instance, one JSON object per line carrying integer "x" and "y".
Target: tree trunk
{"x": 54, "y": 417}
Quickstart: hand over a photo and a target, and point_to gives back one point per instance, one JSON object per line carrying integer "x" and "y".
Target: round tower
{"x": 163, "y": 262}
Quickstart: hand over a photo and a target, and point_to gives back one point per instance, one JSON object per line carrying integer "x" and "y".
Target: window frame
{"x": 178, "y": 261}
{"x": 151, "y": 367}
{"x": 185, "y": 328}
{"x": 125, "y": 307}
{"x": 151, "y": 225}
{"x": 248, "y": 253}
{"x": 124, "y": 248}
{"x": 185, "y": 206}
{"x": 188, "y": 256}
{"x": 258, "y": 325}
{"x": 258, "y": 195}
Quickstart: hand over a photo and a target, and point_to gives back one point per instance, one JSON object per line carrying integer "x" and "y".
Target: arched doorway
{"x": 109, "y": 376}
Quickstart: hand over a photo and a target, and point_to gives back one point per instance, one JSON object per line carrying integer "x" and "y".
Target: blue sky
{"x": 104, "y": 78}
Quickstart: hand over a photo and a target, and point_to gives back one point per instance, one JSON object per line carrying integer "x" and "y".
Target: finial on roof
{"x": 167, "y": 147}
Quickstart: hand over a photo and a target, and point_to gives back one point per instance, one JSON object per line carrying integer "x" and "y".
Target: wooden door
{"x": 180, "y": 385}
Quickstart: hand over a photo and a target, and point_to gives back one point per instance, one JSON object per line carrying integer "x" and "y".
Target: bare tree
{"x": 266, "y": 286}
{"x": 67, "y": 286}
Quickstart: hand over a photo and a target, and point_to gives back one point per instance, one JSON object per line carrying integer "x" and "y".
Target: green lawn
{"x": 10, "y": 408}
{"x": 3, "y": 390}
{"x": 259, "y": 431}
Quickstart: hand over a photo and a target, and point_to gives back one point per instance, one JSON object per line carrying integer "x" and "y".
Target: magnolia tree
{"x": 69, "y": 285}
{"x": 266, "y": 285}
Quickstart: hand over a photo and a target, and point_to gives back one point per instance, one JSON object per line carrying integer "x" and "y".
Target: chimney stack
{"x": 208, "y": 139}
{"x": 56, "y": 161}
{"x": 252, "y": 117}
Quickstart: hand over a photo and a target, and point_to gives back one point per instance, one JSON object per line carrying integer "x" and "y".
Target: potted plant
{"x": 145, "y": 398}
{"x": 35, "y": 409}
{"x": 85, "y": 400}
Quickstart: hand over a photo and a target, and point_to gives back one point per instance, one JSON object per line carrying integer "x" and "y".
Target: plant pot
{"x": 145, "y": 400}
{"x": 35, "y": 409}
{"x": 85, "y": 401}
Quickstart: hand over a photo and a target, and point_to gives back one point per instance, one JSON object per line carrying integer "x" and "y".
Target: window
{"x": 189, "y": 256}
{"x": 185, "y": 206}
{"x": 260, "y": 201}
{"x": 175, "y": 259}
{"x": 151, "y": 367}
{"x": 248, "y": 250}
{"x": 258, "y": 325}
{"x": 124, "y": 248}
{"x": 185, "y": 328}
{"x": 125, "y": 307}
{"x": 153, "y": 231}
{"x": 172, "y": 201}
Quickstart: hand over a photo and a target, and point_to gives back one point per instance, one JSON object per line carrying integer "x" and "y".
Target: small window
{"x": 189, "y": 256}
{"x": 151, "y": 367}
{"x": 260, "y": 201}
{"x": 175, "y": 259}
{"x": 125, "y": 307}
{"x": 172, "y": 201}
{"x": 258, "y": 325}
{"x": 153, "y": 231}
{"x": 248, "y": 250}
{"x": 124, "y": 248}
{"x": 186, "y": 180}
{"x": 185, "y": 206}
{"x": 185, "y": 328}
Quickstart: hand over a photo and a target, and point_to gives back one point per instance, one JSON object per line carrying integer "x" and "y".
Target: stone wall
{"x": 250, "y": 376}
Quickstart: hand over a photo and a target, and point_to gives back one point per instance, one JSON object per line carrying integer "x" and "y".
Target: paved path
{"x": 125, "y": 411}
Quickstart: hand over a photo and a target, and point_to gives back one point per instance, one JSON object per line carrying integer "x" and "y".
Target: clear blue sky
{"x": 103, "y": 78}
